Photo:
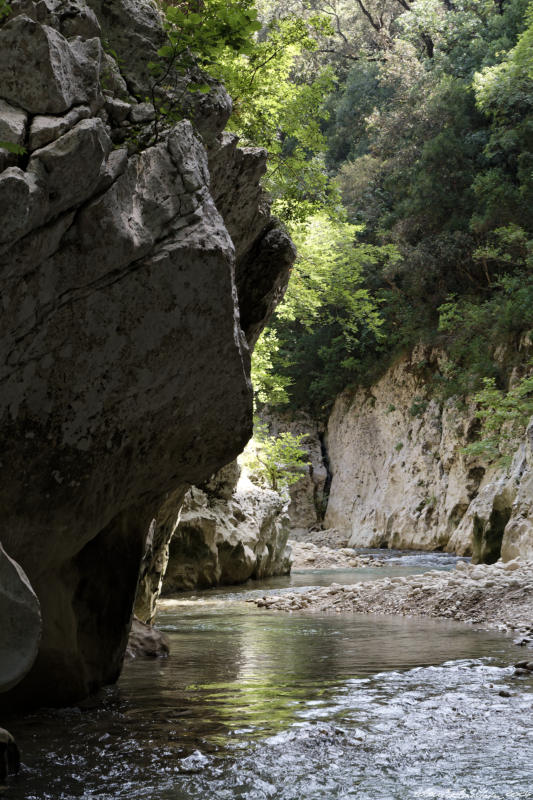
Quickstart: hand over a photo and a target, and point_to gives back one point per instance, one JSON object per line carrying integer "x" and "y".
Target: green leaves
{"x": 216, "y": 28}
{"x": 329, "y": 319}
{"x": 504, "y": 417}
{"x": 271, "y": 108}
{"x": 279, "y": 461}
{"x": 16, "y": 149}
{"x": 270, "y": 386}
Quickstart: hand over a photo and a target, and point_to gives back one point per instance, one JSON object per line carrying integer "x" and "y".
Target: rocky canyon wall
{"x": 133, "y": 269}
{"x": 400, "y": 478}
{"x": 308, "y": 496}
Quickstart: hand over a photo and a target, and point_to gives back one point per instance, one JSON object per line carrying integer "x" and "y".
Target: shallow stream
{"x": 255, "y": 704}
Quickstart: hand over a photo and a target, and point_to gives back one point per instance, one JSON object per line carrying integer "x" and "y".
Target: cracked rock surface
{"x": 124, "y": 366}
{"x": 401, "y": 478}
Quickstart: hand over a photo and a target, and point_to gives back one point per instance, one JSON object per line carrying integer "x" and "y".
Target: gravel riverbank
{"x": 307, "y": 555}
{"x": 496, "y": 596}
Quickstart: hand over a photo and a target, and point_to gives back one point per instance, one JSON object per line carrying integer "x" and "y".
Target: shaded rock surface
{"x": 146, "y": 641}
{"x": 400, "y": 478}
{"x": 228, "y": 532}
{"x": 124, "y": 370}
{"x": 494, "y": 596}
{"x": 20, "y": 623}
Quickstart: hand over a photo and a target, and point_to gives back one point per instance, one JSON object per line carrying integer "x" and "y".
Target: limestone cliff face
{"x": 401, "y": 480}
{"x": 228, "y": 531}
{"x": 126, "y": 302}
{"x": 308, "y": 496}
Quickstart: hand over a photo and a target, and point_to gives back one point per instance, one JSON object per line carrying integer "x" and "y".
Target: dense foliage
{"x": 271, "y": 107}
{"x": 430, "y": 141}
{"x": 275, "y": 461}
{"x": 400, "y": 135}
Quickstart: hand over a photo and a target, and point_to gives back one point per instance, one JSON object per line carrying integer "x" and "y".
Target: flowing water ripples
{"x": 259, "y": 705}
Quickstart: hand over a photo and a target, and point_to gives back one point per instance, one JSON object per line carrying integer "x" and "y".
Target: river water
{"x": 255, "y": 704}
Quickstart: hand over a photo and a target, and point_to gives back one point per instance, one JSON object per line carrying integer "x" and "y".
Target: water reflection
{"x": 257, "y": 705}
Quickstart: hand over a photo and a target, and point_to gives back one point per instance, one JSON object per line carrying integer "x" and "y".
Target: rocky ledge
{"x": 497, "y": 596}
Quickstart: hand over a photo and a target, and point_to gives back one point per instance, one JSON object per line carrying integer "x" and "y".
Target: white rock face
{"x": 401, "y": 480}
{"x": 223, "y": 539}
{"x": 20, "y": 623}
{"x": 500, "y": 518}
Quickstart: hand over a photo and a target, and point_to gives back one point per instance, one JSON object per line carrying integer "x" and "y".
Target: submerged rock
{"x": 123, "y": 365}
{"x": 145, "y": 640}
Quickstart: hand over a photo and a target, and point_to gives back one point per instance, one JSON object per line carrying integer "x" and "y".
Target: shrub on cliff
{"x": 277, "y": 461}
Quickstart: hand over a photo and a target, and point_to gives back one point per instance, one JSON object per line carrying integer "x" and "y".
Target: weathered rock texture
{"x": 124, "y": 368}
{"x": 145, "y": 641}
{"x": 499, "y": 520}
{"x": 20, "y": 623}
{"x": 226, "y": 534}
{"x": 400, "y": 478}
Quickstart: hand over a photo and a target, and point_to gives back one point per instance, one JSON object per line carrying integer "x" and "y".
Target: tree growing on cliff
{"x": 504, "y": 417}
{"x": 279, "y": 461}
{"x": 273, "y": 107}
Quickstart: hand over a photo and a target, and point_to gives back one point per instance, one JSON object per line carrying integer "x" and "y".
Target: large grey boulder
{"x": 264, "y": 252}
{"x": 124, "y": 369}
{"x": 20, "y": 623}
{"x": 42, "y": 72}
{"x": 45, "y": 128}
{"x": 13, "y": 122}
